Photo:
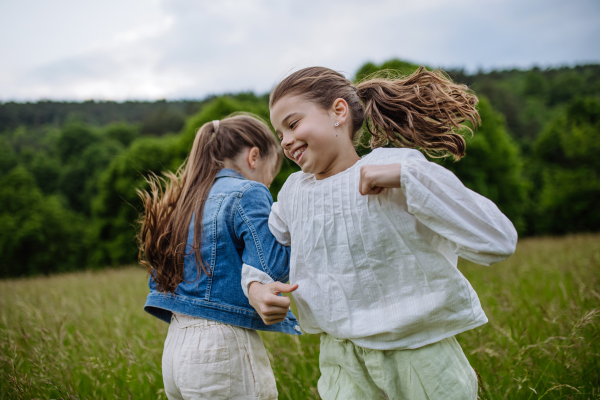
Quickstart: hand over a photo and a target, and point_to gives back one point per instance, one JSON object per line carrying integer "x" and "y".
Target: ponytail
{"x": 425, "y": 110}
{"x": 168, "y": 212}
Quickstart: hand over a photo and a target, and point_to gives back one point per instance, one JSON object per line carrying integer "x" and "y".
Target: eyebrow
{"x": 290, "y": 115}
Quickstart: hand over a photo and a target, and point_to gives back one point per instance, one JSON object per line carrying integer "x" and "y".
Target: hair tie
{"x": 216, "y": 125}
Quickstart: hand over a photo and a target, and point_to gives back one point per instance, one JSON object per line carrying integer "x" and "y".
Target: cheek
{"x": 320, "y": 141}
{"x": 287, "y": 154}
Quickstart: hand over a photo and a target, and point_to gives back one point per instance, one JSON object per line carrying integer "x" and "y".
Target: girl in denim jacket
{"x": 196, "y": 234}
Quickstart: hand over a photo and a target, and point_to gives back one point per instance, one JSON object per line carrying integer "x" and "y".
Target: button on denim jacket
{"x": 235, "y": 232}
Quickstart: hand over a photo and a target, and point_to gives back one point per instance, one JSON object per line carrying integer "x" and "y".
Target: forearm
{"x": 437, "y": 198}
{"x": 250, "y": 275}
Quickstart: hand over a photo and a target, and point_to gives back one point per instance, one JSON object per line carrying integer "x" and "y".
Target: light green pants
{"x": 436, "y": 371}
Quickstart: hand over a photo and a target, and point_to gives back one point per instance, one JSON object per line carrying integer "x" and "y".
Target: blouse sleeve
{"x": 278, "y": 220}
{"x": 439, "y": 200}
{"x": 278, "y": 224}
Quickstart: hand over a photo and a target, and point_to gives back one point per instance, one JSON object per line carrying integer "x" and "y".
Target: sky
{"x": 189, "y": 49}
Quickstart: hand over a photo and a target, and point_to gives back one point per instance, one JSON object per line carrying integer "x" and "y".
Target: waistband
{"x": 182, "y": 321}
{"x": 163, "y": 306}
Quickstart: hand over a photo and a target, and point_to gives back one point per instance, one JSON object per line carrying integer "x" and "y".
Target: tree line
{"x": 68, "y": 171}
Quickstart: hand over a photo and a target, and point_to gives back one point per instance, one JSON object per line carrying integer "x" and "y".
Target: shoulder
{"x": 296, "y": 178}
{"x": 254, "y": 200}
{"x": 237, "y": 187}
{"x": 254, "y": 191}
{"x": 245, "y": 192}
{"x": 292, "y": 182}
{"x": 382, "y": 156}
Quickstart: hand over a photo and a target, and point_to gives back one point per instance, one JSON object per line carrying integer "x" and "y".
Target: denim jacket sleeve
{"x": 261, "y": 249}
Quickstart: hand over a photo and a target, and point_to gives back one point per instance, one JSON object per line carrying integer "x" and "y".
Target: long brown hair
{"x": 424, "y": 110}
{"x": 174, "y": 198}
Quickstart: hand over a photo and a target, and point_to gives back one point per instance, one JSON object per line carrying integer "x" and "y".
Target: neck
{"x": 342, "y": 162}
{"x": 231, "y": 165}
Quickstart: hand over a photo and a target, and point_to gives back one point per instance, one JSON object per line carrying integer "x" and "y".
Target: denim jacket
{"x": 235, "y": 232}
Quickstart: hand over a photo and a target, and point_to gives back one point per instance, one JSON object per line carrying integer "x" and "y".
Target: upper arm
{"x": 261, "y": 249}
{"x": 278, "y": 224}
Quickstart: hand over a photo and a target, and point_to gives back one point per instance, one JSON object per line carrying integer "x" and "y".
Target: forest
{"x": 69, "y": 170}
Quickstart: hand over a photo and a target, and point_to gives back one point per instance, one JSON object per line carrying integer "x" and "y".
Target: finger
{"x": 277, "y": 301}
{"x": 363, "y": 189}
{"x": 271, "y": 322}
{"x": 370, "y": 190}
{"x": 277, "y": 317}
{"x": 273, "y": 319}
{"x": 376, "y": 190}
{"x": 280, "y": 287}
{"x": 366, "y": 187}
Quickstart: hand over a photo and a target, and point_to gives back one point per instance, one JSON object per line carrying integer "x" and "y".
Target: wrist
{"x": 254, "y": 286}
{"x": 391, "y": 176}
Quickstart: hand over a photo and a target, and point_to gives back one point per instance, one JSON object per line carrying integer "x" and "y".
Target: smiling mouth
{"x": 297, "y": 155}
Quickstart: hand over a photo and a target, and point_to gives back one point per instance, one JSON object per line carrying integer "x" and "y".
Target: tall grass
{"x": 85, "y": 336}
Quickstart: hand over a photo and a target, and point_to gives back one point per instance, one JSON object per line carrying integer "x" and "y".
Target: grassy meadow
{"x": 85, "y": 336}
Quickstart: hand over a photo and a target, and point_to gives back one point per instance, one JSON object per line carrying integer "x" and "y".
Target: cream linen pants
{"x": 205, "y": 359}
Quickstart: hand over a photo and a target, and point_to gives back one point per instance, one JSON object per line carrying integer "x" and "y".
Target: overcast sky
{"x": 152, "y": 49}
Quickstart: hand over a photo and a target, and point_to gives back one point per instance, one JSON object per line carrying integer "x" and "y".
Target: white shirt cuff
{"x": 251, "y": 274}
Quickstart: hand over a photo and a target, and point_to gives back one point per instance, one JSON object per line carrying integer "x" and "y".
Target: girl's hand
{"x": 265, "y": 300}
{"x": 375, "y": 178}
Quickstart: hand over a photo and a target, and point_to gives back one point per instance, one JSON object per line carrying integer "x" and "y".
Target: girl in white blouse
{"x": 375, "y": 240}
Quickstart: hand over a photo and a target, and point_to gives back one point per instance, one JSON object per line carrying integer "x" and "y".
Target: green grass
{"x": 85, "y": 336}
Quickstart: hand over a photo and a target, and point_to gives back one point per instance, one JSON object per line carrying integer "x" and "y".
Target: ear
{"x": 340, "y": 110}
{"x": 252, "y": 157}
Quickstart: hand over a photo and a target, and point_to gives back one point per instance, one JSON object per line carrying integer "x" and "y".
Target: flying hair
{"x": 424, "y": 110}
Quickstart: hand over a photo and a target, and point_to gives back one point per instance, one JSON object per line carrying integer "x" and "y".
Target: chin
{"x": 306, "y": 169}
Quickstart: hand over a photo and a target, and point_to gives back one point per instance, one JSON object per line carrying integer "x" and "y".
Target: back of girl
{"x": 196, "y": 235}
{"x": 375, "y": 240}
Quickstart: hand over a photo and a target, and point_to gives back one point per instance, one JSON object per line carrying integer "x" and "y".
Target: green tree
{"x": 74, "y": 138}
{"x": 568, "y": 150}
{"x": 8, "y": 158}
{"x": 116, "y": 206}
{"x": 47, "y": 170}
{"x": 163, "y": 120}
{"x": 37, "y": 234}
{"x": 80, "y": 176}
{"x": 121, "y": 132}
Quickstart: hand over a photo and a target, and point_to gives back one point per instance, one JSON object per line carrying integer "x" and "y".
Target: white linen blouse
{"x": 380, "y": 270}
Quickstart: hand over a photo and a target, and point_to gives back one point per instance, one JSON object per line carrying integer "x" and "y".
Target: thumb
{"x": 361, "y": 182}
{"x": 280, "y": 287}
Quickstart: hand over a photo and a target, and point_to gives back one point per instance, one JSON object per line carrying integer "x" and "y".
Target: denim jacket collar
{"x": 230, "y": 173}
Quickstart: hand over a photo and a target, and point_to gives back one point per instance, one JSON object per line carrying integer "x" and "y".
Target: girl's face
{"x": 310, "y": 138}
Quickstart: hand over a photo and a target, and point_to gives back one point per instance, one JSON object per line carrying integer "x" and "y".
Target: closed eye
{"x": 293, "y": 124}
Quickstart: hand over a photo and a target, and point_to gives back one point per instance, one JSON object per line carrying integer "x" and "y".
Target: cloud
{"x": 188, "y": 49}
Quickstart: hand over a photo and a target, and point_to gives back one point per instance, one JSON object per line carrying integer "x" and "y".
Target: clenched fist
{"x": 375, "y": 178}
{"x": 265, "y": 300}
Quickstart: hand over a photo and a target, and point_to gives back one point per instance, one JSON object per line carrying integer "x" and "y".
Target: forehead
{"x": 287, "y": 105}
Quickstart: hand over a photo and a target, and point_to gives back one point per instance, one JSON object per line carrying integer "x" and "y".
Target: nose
{"x": 287, "y": 141}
